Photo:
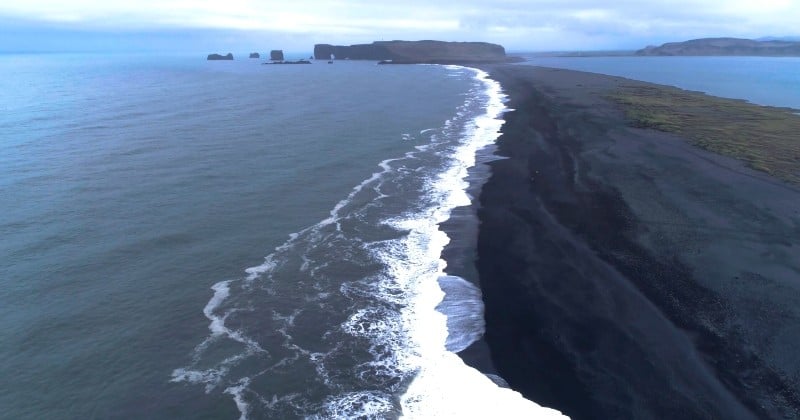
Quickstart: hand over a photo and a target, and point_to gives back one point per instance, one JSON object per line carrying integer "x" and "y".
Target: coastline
{"x": 460, "y": 253}
{"x": 626, "y": 273}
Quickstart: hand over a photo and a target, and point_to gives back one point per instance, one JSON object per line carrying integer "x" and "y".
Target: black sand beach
{"x": 628, "y": 274}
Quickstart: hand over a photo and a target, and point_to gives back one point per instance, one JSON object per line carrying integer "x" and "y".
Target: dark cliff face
{"x": 415, "y": 51}
{"x": 725, "y": 46}
{"x": 353, "y": 52}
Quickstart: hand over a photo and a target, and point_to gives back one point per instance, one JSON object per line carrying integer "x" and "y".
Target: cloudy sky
{"x": 295, "y": 25}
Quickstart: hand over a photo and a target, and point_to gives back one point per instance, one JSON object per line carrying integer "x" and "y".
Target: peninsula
{"x": 725, "y": 46}
{"x": 404, "y": 52}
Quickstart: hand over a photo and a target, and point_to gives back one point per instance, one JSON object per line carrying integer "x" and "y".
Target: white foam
{"x": 194, "y": 376}
{"x": 221, "y": 292}
{"x": 217, "y": 325}
{"x": 211, "y": 377}
{"x": 238, "y": 397}
{"x": 358, "y": 405}
{"x": 444, "y": 386}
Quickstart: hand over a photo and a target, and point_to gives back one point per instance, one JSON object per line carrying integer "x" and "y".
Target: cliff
{"x": 725, "y": 46}
{"x": 415, "y": 52}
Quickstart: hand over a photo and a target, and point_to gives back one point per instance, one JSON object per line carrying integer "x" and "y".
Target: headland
{"x": 726, "y": 46}
{"x": 416, "y": 52}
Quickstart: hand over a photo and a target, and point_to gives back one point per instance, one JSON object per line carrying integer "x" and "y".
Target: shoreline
{"x": 626, "y": 273}
{"x": 460, "y": 253}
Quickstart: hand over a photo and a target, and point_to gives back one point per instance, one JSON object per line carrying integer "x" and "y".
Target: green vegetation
{"x": 766, "y": 138}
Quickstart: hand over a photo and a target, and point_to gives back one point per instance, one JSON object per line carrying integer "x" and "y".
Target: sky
{"x": 296, "y": 25}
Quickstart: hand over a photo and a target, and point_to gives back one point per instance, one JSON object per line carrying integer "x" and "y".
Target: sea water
{"x": 773, "y": 81}
{"x": 183, "y": 238}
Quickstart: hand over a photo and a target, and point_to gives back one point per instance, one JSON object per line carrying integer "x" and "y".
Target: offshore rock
{"x": 276, "y": 55}
{"x": 228, "y": 56}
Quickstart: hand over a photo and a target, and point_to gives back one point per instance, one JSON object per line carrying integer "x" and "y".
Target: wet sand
{"x": 628, "y": 274}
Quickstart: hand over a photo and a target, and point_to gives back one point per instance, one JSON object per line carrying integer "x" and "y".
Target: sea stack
{"x": 255, "y": 55}
{"x": 227, "y": 56}
{"x": 276, "y": 55}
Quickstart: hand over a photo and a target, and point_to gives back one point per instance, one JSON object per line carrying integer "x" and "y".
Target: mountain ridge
{"x": 725, "y": 46}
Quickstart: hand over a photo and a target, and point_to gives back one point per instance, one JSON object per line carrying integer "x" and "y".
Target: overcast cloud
{"x": 297, "y": 25}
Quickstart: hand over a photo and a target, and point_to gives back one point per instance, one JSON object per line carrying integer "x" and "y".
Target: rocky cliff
{"x": 415, "y": 52}
{"x": 725, "y": 46}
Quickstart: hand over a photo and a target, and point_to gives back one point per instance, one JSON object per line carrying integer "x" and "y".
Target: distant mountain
{"x": 779, "y": 38}
{"x": 726, "y": 46}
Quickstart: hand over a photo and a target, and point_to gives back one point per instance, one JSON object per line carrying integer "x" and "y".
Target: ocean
{"x": 184, "y": 238}
{"x": 772, "y": 81}
{"x": 194, "y": 239}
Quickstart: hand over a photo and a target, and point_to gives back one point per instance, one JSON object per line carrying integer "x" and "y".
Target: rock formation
{"x": 255, "y": 55}
{"x": 228, "y": 56}
{"x": 416, "y": 52}
{"x": 276, "y": 55}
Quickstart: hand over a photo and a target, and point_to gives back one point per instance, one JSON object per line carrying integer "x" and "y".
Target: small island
{"x": 255, "y": 55}
{"x": 212, "y": 57}
{"x": 277, "y": 57}
{"x": 725, "y": 46}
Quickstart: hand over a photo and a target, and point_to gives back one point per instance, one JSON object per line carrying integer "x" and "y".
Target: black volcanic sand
{"x": 629, "y": 275}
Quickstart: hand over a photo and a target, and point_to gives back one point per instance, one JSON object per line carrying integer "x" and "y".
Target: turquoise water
{"x": 771, "y": 81}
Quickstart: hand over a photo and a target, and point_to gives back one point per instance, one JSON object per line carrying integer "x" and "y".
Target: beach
{"x": 628, "y": 273}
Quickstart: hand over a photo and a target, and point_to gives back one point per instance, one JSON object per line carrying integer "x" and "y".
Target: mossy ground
{"x": 766, "y": 138}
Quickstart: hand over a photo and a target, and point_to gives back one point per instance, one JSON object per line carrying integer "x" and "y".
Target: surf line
{"x": 444, "y": 386}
